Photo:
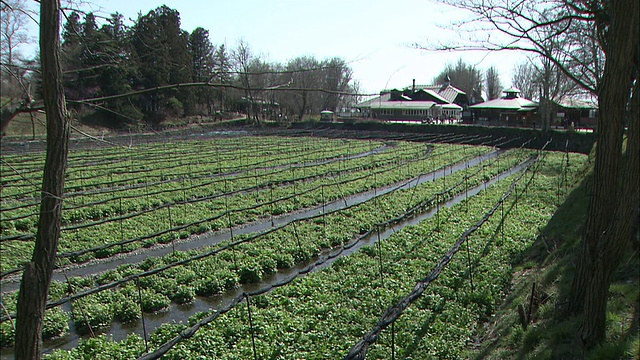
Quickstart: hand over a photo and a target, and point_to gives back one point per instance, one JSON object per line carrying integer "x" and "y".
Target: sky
{"x": 374, "y": 37}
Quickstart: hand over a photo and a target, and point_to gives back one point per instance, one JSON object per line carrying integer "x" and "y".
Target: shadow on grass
{"x": 550, "y": 263}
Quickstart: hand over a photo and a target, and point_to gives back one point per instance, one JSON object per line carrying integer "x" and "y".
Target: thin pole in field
{"x": 144, "y": 325}
{"x": 253, "y": 336}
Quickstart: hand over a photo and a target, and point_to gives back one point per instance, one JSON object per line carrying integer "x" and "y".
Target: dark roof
{"x": 445, "y": 94}
{"x": 446, "y": 91}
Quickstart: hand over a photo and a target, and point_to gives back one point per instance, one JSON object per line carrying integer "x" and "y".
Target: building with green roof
{"x": 509, "y": 110}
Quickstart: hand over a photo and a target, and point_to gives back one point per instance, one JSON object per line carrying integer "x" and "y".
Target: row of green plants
{"x": 251, "y": 261}
{"x": 325, "y": 313}
{"x": 189, "y": 159}
{"x": 146, "y": 183}
{"x": 159, "y": 182}
{"x": 323, "y": 316}
{"x": 162, "y": 220}
{"x": 108, "y": 201}
{"x": 159, "y": 151}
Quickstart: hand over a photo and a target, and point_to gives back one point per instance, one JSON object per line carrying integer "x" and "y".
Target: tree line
{"x": 105, "y": 61}
{"x": 154, "y": 52}
{"x": 190, "y": 75}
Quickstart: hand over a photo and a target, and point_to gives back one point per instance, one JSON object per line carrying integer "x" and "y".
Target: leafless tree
{"x": 14, "y": 19}
{"x": 600, "y": 53}
{"x": 494, "y": 86}
{"x": 464, "y": 76}
{"x": 302, "y": 101}
{"x": 243, "y": 61}
{"x": 335, "y": 75}
{"x": 13, "y": 26}
{"x": 524, "y": 78}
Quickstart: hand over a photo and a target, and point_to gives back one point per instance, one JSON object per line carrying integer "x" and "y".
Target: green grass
{"x": 550, "y": 263}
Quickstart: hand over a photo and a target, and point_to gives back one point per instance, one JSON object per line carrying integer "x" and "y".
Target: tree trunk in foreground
{"x": 37, "y": 273}
{"x": 613, "y": 207}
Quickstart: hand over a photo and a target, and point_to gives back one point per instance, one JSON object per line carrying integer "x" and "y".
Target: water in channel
{"x": 179, "y": 313}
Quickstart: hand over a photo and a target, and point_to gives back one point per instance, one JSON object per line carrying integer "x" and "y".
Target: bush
{"x": 268, "y": 264}
{"x": 101, "y": 347}
{"x": 250, "y": 272}
{"x": 24, "y": 225}
{"x": 183, "y": 295}
{"x": 154, "y": 302}
{"x": 208, "y": 286}
{"x": 284, "y": 260}
{"x": 166, "y": 332}
{"x": 7, "y": 334}
{"x": 228, "y": 279}
{"x": 149, "y": 263}
{"x": 108, "y": 277}
{"x": 175, "y": 107}
{"x": 185, "y": 276}
{"x": 56, "y": 323}
{"x": 106, "y": 252}
{"x": 532, "y": 337}
{"x": 126, "y": 309}
{"x": 96, "y": 315}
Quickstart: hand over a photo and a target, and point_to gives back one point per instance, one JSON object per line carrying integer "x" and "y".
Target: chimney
{"x": 413, "y": 89}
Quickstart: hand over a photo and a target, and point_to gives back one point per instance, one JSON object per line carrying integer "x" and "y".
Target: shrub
{"x": 56, "y": 323}
{"x": 7, "y": 334}
{"x": 183, "y": 295}
{"x": 108, "y": 277}
{"x": 268, "y": 264}
{"x": 23, "y": 225}
{"x": 175, "y": 107}
{"x": 166, "y": 332}
{"x": 228, "y": 279}
{"x": 284, "y": 260}
{"x": 250, "y": 272}
{"x": 126, "y": 309}
{"x": 101, "y": 347}
{"x": 153, "y": 302}
{"x": 96, "y": 315}
{"x": 186, "y": 276}
{"x": 208, "y": 286}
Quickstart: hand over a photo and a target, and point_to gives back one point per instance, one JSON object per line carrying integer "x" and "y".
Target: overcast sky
{"x": 373, "y": 36}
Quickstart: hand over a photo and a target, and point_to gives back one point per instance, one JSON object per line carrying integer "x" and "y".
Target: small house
{"x": 417, "y": 103}
{"x": 576, "y": 113}
{"x": 509, "y": 110}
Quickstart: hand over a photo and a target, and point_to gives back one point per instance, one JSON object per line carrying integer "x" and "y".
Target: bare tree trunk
{"x": 613, "y": 207}
{"x": 37, "y": 274}
{"x": 303, "y": 108}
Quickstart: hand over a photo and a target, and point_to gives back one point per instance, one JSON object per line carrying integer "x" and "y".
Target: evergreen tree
{"x": 494, "y": 86}
{"x": 115, "y": 76}
{"x": 70, "y": 55}
{"x": 91, "y": 57}
{"x": 201, "y": 51}
{"x": 160, "y": 49}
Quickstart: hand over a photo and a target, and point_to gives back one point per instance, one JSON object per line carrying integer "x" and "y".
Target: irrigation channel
{"x": 231, "y": 298}
{"x": 96, "y": 267}
{"x": 6, "y": 278}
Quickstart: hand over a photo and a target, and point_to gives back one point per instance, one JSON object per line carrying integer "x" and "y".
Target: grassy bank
{"x": 541, "y": 285}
